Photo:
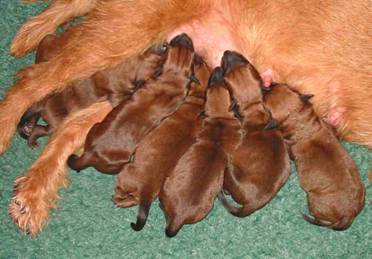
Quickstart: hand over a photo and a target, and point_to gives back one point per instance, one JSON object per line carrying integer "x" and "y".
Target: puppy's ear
{"x": 306, "y": 97}
{"x": 273, "y": 124}
{"x": 137, "y": 84}
{"x": 202, "y": 114}
{"x": 158, "y": 71}
{"x": 194, "y": 79}
{"x": 233, "y": 106}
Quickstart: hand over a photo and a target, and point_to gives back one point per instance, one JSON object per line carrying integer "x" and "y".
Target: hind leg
{"x": 36, "y": 192}
{"x": 38, "y": 132}
{"x": 37, "y": 27}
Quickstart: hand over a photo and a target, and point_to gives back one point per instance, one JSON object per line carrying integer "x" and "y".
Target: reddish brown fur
{"x": 260, "y": 163}
{"x": 326, "y": 171}
{"x": 157, "y": 154}
{"x": 115, "y": 84}
{"x": 36, "y": 28}
{"x": 109, "y": 144}
{"x": 188, "y": 193}
{"x": 304, "y": 47}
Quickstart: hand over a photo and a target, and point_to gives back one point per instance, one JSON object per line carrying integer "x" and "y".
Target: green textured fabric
{"x": 86, "y": 224}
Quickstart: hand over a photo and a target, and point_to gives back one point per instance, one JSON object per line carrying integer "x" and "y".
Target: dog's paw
{"x": 27, "y": 208}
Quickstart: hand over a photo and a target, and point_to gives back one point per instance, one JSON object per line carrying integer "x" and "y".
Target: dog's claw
{"x": 27, "y": 208}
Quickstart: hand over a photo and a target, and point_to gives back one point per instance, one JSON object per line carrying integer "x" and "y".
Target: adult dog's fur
{"x": 189, "y": 192}
{"x": 260, "y": 164}
{"x": 157, "y": 154}
{"x": 304, "y": 47}
{"x": 49, "y": 170}
{"x": 110, "y": 144}
{"x": 116, "y": 85}
{"x": 327, "y": 173}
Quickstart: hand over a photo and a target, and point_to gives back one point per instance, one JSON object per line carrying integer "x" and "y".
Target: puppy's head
{"x": 180, "y": 55}
{"x": 218, "y": 100}
{"x": 283, "y": 102}
{"x": 149, "y": 64}
{"x": 242, "y": 78}
{"x": 200, "y": 76}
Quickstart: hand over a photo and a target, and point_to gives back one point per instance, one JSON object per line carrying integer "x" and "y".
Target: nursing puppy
{"x": 115, "y": 84}
{"x": 311, "y": 54}
{"x": 260, "y": 163}
{"x": 109, "y": 144}
{"x": 157, "y": 154}
{"x": 335, "y": 193}
{"x": 189, "y": 192}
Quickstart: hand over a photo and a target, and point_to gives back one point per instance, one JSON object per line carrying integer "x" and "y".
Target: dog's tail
{"x": 342, "y": 224}
{"x": 28, "y": 121}
{"x": 36, "y": 28}
{"x": 143, "y": 213}
{"x": 240, "y": 212}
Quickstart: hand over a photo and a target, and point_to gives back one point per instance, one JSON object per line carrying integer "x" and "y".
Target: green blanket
{"x": 86, "y": 223}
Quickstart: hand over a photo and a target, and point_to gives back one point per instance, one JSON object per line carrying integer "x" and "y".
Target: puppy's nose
{"x": 182, "y": 40}
{"x": 232, "y": 60}
{"x": 216, "y": 77}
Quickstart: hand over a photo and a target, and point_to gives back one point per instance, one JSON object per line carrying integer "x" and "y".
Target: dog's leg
{"x": 103, "y": 40}
{"x": 36, "y": 192}
{"x": 36, "y": 28}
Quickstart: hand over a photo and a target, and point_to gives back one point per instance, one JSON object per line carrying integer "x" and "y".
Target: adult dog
{"x": 319, "y": 47}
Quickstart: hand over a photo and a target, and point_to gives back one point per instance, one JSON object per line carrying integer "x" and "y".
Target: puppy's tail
{"x": 28, "y": 121}
{"x": 79, "y": 163}
{"x": 340, "y": 225}
{"x": 172, "y": 228}
{"x": 240, "y": 212}
{"x": 36, "y": 28}
{"x": 143, "y": 213}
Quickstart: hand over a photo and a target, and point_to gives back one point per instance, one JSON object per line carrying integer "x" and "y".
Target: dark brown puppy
{"x": 260, "y": 164}
{"x": 109, "y": 144}
{"x": 327, "y": 173}
{"x": 115, "y": 84}
{"x": 157, "y": 154}
{"x": 188, "y": 193}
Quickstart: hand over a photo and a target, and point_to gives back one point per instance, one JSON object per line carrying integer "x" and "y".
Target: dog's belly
{"x": 211, "y": 34}
{"x": 306, "y": 52}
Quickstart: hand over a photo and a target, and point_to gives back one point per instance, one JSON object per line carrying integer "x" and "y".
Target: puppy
{"x": 260, "y": 163}
{"x": 115, "y": 84}
{"x": 109, "y": 144}
{"x": 311, "y": 54}
{"x": 335, "y": 193}
{"x": 188, "y": 193}
{"x": 157, "y": 154}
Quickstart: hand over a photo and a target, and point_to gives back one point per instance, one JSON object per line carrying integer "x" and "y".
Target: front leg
{"x": 110, "y": 33}
{"x": 36, "y": 192}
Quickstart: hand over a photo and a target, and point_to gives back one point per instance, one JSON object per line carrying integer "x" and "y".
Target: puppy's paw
{"x": 125, "y": 201}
